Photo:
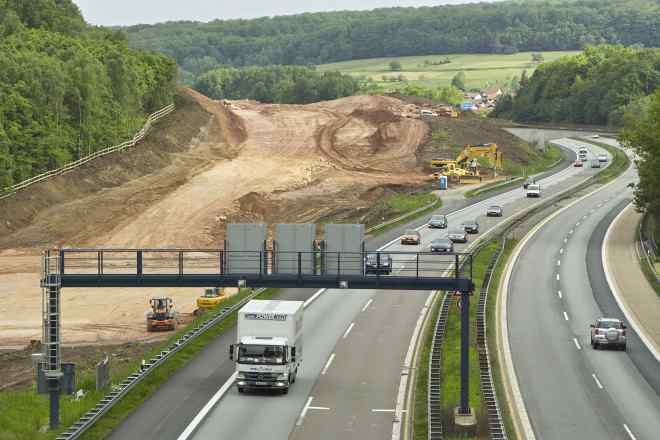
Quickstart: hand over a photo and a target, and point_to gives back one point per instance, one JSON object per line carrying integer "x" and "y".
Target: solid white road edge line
{"x": 367, "y": 304}
{"x": 616, "y": 292}
{"x": 327, "y": 364}
{"x": 403, "y": 383}
{"x": 207, "y": 408}
{"x": 225, "y": 387}
{"x": 348, "y": 330}
{"x": 304, "y": 410}
{"x": 518, "y": 402}
{"x": 600, "y": 385}
{"x": 629, "y": 432}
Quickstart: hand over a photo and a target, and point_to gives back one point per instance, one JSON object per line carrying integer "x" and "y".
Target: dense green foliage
{"x": 597, "y": 86}
{"x": 642, "y": 132}
{"x": 67, "y": 89}
{"x": 499, "y": 27}
{"x": 281, "y": 84}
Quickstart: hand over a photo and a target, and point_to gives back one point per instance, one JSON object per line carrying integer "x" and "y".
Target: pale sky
{"x": 129, "y": 12}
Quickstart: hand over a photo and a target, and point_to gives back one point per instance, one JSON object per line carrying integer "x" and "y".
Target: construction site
{"x": 208, "y": 164}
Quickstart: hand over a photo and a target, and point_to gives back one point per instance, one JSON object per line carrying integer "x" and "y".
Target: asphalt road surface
{"x": 556, "y": 290}
{"x": 363, "y": 376}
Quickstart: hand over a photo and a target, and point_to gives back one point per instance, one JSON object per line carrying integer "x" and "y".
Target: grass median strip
{"x": 24, "y": 413}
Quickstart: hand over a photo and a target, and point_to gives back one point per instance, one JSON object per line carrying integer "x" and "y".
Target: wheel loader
{"x": 162, "y": 315}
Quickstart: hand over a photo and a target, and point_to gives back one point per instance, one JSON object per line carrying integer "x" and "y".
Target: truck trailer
{"x": 269, "y": 346}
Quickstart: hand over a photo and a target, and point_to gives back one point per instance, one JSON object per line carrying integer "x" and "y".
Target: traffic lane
{"x": 561, "y": 397}
{"x": 171, "y": 407}
{"x": 636, "y": 399}
{"x": 361, "y": 384}
{"x": 255, "y": 416}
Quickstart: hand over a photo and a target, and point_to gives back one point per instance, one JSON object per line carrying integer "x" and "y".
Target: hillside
{"x": 319, "y": 38}
{"x": 209, "y": 163}
{"x": 68, "y": 89}
{"x": 437, "y": 70}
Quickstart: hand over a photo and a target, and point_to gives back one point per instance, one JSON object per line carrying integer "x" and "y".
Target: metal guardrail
{"x": 496, "y": 427}
{"x": 434, "y": 397}
{"x": 649, "y": 248}
{"x": 111, "y": 399}
{"x": 495, "y": 423}
{"x": 8, "y": 191}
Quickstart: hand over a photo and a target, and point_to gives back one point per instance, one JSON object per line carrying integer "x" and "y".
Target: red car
{"x": 578, "y": 163}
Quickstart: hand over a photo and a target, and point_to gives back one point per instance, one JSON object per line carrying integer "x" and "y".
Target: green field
{"x": 481, "y": 70}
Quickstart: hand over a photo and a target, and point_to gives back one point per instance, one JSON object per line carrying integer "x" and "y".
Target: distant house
{"x": 492, "y": 93}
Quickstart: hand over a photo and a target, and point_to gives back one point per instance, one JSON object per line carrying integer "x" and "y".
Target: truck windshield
{"x": 261, "y": 354}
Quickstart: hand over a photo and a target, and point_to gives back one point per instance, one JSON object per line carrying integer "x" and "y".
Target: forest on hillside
{"x": 318, "y": 38}
{"x": 599, "y": 86}
{"x": 280, "y": 84}
{"x": 67, "y": 89}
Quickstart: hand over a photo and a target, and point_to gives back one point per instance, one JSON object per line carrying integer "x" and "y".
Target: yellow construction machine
{"x": 489, "y": 151}
{"x": 465, "y": 168}
{"x": 210, "y": 298}
{"x": 162, "y": 315}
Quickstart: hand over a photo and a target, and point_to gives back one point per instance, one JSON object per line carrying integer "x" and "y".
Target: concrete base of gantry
{"x": 465, "y": 423}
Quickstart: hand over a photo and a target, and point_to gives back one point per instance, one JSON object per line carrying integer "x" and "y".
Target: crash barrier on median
{"x": 119, "y": 391}
{"x": 495, "y": 422}
{"x": 8, "y": 191}
{"x": 434, "y": 395}
{"x": 649, "y": 246}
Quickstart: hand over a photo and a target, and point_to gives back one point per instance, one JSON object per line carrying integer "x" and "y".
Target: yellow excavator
{"x": 465, "y": 168}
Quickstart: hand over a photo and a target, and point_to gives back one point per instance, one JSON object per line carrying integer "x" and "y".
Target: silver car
{"x": 602, "y": 158}
{"x": 608, "y": 332}
{"x": 458, "y": 236}
{"x": 442, "y": 245}
{"x": 494, "y": 211}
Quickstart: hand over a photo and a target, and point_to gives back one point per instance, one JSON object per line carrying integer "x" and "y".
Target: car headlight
{"x": 240, "y": 376}
{"x": 282, "y": 376}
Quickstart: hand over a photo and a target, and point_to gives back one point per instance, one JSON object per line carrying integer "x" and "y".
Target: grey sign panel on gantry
{"x": 245, "y": 246}
{"x": 343, "y": 249}
{"x": 293, "y": 248}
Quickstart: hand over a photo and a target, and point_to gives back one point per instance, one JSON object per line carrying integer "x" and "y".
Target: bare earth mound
{"x": 207, "y": 164}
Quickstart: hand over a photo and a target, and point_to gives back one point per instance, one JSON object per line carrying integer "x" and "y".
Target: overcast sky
{"x": 128, "y": 12}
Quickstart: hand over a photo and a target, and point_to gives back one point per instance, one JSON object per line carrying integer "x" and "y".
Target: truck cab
{"x": 268, "y": 351}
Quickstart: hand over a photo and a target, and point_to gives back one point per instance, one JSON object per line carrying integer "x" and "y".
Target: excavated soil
{"x": 207, "y": 164}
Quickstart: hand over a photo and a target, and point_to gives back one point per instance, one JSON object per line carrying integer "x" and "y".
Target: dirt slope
{"x": 207, "y": 164}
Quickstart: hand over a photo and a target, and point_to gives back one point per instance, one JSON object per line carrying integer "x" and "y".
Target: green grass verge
{"x": 480, "y": 70}
{"x": 416, "y": 201}
{"x": 649, "y": 273}
{"x": 24, "y": 413}
{"x": 491, "y": 316}
{"x": 451, "y": 353}
{"x": 420, "y": 406}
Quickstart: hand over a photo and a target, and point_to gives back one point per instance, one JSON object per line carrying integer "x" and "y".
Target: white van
{"x": 427, "y": 113}
{"x": 534, "y": 190}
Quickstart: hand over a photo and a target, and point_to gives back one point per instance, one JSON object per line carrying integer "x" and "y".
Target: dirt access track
{"x": 207, "y": 164}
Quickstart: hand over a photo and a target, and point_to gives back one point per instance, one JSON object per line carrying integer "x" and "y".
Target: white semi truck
{"x": 269, "y": 348}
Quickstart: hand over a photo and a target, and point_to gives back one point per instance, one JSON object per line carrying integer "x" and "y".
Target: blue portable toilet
{"x": 442, "y": 182}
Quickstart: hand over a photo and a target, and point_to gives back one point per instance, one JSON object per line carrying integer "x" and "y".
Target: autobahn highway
{"x": 369, "y": 334}
{"x": 557, "y": 288}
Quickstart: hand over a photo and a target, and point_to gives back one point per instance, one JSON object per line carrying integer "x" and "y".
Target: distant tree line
{"x": 275, "y": 84}
{"x": 67, "y": 89}
{"x": 497, "y": 27}
{"x": 598, "y": 86}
